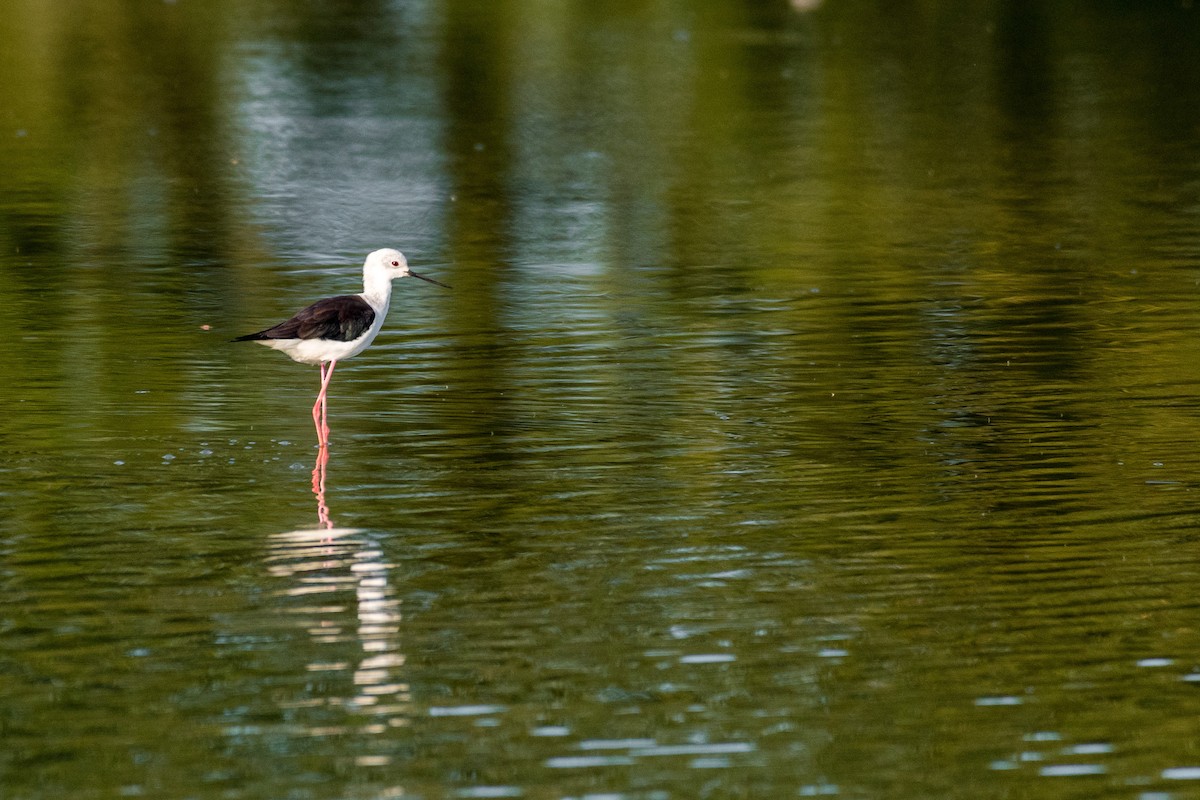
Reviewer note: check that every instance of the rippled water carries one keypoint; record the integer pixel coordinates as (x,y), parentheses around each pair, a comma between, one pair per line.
(813,413)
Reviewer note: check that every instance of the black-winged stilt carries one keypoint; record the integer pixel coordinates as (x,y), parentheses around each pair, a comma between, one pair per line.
(337,328)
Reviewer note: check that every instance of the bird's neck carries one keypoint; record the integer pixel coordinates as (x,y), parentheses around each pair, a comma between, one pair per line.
(377,290)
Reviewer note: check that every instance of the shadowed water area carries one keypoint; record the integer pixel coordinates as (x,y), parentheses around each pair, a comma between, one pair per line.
(814,412)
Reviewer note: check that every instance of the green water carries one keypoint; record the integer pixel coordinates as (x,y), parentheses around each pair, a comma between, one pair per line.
(814,412)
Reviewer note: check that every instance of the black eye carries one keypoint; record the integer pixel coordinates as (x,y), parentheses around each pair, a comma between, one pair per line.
(395,263)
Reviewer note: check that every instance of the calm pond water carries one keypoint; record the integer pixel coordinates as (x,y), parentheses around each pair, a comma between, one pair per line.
(814,412)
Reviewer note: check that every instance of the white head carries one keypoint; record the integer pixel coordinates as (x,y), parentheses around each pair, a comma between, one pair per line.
(389,264)
(388,261)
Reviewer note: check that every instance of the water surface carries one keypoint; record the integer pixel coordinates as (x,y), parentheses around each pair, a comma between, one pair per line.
(813,413)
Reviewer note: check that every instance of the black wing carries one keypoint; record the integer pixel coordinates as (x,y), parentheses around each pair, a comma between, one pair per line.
(339,319)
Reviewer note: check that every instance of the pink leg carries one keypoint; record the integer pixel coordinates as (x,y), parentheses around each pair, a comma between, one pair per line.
(321,409)
(316,411)
(325,403)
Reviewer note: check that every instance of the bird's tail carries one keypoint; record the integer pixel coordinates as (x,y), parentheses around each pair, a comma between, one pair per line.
(251,337)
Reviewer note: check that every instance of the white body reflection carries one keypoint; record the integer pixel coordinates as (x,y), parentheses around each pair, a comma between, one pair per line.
(340,582)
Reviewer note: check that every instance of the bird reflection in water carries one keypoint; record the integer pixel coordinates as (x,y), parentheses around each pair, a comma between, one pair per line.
(318,487)
(335,584)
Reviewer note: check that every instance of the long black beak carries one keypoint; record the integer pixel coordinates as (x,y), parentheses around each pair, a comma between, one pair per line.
(427,280)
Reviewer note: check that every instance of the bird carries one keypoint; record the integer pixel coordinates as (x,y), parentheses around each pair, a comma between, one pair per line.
(336,328)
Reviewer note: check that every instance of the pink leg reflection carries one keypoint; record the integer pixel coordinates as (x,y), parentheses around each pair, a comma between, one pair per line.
(318,487)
